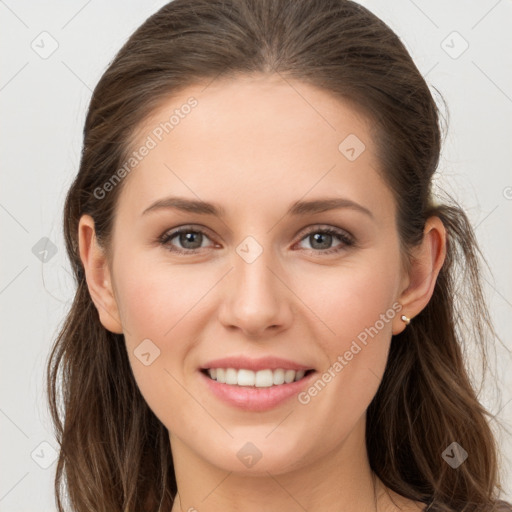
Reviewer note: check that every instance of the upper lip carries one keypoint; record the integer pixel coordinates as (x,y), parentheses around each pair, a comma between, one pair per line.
(248,363)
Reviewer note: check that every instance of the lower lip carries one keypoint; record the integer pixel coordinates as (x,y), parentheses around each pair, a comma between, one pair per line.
(256,399)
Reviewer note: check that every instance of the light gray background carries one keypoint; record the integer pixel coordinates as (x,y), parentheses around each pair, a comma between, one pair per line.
(43,103)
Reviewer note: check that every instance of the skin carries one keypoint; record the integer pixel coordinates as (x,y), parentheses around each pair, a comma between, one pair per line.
(255,145)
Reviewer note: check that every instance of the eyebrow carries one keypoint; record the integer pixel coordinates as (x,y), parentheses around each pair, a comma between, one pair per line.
(298,208)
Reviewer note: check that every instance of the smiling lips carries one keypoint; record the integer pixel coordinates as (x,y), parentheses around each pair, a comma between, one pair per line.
(261,373)
(255,384)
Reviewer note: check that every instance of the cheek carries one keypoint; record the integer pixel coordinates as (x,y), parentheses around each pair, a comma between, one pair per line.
(351,300)
(157,312)
(153,299)
(357,308)
(165,304)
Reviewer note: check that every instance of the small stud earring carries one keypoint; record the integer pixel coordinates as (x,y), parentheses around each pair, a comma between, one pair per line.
(405,319)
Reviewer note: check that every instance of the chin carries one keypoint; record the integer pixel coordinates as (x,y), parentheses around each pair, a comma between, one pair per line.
(254,452)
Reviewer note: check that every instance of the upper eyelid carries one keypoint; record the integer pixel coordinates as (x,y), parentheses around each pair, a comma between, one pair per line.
(171,233)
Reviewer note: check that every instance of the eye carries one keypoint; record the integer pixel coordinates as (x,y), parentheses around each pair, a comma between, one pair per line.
(320,240)
(190,239)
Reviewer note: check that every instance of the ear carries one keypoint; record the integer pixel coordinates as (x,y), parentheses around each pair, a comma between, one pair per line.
(426,262)
(97,274)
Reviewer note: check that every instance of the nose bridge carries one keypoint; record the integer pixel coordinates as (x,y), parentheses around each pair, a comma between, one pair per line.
(254,280)
(255,298)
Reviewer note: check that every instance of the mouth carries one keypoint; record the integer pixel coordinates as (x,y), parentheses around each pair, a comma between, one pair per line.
(265,378)
(255,384)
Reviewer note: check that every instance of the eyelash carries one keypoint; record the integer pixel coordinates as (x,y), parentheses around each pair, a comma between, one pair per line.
(346,239)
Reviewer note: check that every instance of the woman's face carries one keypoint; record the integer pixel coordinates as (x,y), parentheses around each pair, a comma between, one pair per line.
(272,281)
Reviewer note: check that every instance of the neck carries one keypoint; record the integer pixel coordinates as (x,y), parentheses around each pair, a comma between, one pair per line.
(338,481)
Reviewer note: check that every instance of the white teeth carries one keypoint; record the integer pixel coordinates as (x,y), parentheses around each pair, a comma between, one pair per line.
(245,378)
(264,379)
(259,379)
(299,374)
(278,377)
(289,376)
(231,376)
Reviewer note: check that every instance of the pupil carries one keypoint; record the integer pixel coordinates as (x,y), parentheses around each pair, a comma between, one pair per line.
(186,238)
(318,237)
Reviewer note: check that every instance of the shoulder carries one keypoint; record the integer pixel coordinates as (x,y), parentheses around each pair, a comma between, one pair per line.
(391,501)
(417,506)
(405,505)
(398,503)
(503,506)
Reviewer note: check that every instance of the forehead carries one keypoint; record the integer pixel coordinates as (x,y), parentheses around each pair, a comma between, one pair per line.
(252,139)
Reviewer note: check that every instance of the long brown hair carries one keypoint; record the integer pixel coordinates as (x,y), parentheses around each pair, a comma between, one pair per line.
(115,454)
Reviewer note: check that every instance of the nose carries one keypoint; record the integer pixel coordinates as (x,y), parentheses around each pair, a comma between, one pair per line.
(255,298)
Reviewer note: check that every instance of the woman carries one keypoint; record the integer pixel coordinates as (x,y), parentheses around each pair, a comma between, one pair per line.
(217,358)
